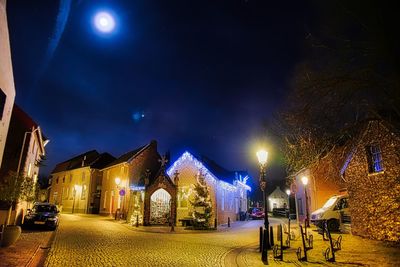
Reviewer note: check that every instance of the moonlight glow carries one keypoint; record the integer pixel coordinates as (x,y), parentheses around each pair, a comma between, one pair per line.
(104,22)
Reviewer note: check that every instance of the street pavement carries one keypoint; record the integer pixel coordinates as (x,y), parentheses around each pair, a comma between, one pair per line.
(90,240)
(85,240)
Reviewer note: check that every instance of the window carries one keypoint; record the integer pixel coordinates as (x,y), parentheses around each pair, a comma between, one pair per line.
(57,180)
(3,97)
(70,178)
(300,206)
(374,156)
(84,192)
(223,200)
(105,200)
(183,196)
(66,193)
(63,179)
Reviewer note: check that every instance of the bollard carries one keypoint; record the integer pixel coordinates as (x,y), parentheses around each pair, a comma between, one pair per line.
(229,222)
(215,223)
(137,220)
(264,253)
(261,238)
(271,236)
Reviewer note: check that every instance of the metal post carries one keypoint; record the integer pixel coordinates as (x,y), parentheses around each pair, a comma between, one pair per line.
(264,254)
(304,243)
(137,220)
(229,222)
(271,236)
(261,238)
(266,222)
(215,223)
(307,213)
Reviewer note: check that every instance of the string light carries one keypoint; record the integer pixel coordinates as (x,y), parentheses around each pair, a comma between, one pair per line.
(207,174)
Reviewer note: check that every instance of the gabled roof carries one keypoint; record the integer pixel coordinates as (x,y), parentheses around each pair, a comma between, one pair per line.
(213,171)
(129,156)
(90,158)
(222,173)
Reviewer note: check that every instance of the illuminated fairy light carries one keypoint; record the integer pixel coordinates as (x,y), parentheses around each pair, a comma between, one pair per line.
(207,174)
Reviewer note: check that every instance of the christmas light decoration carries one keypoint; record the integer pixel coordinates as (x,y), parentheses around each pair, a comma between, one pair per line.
(207,174)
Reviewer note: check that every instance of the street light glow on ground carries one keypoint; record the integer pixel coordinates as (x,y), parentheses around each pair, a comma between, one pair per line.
(104,22)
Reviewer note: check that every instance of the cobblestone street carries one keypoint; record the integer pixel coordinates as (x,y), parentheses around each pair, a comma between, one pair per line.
(97,241)
(89,240)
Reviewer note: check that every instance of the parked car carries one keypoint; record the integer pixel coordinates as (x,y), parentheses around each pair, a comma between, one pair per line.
(256,213)
(334,210)
(42,214)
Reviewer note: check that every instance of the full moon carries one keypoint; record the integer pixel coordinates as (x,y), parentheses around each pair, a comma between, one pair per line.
(104,22)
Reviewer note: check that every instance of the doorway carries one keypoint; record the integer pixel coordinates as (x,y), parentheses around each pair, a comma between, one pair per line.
(160,202)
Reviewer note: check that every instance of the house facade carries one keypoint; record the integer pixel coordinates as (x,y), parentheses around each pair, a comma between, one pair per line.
(124,181)
(23,154)
(228,190)
(7,88)
(277,199)
(372,173)
(76,183)
(324,181)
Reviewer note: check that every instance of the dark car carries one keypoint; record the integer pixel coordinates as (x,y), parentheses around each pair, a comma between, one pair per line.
(43,214)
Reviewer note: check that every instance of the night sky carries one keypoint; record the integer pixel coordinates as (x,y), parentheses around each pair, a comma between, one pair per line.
(197,75)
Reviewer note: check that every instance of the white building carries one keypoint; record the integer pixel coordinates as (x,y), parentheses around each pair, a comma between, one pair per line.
(277,199)
(7,89)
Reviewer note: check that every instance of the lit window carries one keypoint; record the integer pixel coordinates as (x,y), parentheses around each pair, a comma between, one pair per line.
(29,169)
(183,195)
(374,155)
(84,191)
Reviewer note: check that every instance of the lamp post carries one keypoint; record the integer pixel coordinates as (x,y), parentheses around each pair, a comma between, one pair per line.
(262,156)
(304,180)
(288,205)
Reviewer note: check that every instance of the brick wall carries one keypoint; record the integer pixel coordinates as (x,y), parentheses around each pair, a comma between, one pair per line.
(374,197)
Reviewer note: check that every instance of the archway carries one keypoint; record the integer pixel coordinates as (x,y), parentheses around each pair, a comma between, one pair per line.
(160,207)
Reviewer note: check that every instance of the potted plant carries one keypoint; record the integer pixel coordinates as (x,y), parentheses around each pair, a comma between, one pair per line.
(13,188)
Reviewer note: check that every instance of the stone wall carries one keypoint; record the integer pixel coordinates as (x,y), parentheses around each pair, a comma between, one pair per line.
(374,197)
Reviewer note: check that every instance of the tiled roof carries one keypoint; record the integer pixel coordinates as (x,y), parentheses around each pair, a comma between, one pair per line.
(126,157)
(90,158)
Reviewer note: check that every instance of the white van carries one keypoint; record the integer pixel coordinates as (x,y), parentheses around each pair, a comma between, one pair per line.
(334,210)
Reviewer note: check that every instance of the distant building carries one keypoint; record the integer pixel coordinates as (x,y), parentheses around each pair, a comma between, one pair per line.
(277,199)
(23,153)
(228,189)
(124,181)
(7,89)
(76,183)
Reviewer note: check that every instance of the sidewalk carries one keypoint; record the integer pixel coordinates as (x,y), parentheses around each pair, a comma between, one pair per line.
(29,250)
(356,251)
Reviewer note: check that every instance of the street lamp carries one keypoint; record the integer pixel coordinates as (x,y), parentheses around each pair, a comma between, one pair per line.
(304,180)
(262,156)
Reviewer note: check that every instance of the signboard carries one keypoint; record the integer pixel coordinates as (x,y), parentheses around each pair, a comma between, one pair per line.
(137,188)
(122,192)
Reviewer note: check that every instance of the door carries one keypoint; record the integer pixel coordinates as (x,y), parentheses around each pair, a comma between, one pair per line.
(160,207)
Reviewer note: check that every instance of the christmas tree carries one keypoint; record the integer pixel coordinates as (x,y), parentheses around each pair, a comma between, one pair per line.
(201,203)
